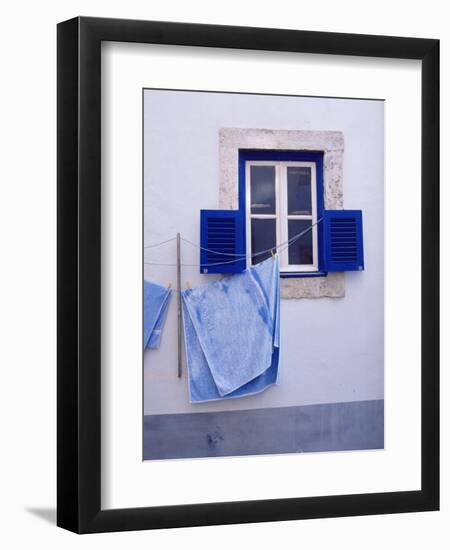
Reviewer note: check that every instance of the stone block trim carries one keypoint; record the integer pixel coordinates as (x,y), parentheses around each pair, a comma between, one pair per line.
(331,143)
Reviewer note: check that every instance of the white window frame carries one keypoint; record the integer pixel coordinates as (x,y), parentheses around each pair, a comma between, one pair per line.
(281,212)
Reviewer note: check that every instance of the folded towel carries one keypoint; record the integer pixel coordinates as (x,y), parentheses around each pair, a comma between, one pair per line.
(232,334)
(156,302)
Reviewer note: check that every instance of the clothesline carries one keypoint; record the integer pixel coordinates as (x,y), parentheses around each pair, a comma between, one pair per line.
(280,247)
(159,244)
(154,335)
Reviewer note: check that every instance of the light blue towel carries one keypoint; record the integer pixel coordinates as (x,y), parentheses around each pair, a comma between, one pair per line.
(156,305)
(232,334)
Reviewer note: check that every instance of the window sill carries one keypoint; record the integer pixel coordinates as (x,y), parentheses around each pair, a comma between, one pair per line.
(301,274)
(312,285)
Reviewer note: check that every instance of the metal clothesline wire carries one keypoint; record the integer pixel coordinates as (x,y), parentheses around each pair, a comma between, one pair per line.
(282,246)
(159,244)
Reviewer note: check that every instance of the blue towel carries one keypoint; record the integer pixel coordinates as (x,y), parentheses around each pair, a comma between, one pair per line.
(232,334)
(156,305)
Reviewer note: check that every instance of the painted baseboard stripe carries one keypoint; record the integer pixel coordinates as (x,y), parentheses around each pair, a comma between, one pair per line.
(354,425)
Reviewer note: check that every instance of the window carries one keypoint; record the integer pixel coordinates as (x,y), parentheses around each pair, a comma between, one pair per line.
(289,195)
(283,199)
(281,204)
(325,148)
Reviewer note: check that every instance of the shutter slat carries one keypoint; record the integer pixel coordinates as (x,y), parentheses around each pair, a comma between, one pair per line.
(343,240)
(222,233)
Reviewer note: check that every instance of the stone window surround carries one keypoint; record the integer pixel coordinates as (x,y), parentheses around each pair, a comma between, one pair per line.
(231,140)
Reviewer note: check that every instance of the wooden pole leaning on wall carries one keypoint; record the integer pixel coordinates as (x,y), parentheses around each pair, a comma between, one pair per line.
(179,302)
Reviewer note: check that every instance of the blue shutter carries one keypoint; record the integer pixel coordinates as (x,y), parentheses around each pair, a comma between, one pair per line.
(222,233)
(343,240)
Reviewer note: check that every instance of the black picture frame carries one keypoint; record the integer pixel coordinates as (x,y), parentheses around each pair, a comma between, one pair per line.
(79,281)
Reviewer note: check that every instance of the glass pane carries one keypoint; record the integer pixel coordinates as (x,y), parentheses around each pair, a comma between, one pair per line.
(262,183)
(299,190)
(263,237)
(300,251)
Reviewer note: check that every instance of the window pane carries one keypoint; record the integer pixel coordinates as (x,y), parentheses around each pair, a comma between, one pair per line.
(299,190)
(300,251)
(262,183)
(263,237)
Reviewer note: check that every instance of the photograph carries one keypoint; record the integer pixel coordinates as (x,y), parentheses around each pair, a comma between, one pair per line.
(263,274)
(224,226)
(248,274)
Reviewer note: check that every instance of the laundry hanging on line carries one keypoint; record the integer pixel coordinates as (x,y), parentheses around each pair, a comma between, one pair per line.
(232,334)
(156,305)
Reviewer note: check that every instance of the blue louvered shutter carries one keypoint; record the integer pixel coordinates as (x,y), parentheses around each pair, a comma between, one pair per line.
(222,233)
(343,240)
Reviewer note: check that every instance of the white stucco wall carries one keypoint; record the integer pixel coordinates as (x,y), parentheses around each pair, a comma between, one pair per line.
(331,348)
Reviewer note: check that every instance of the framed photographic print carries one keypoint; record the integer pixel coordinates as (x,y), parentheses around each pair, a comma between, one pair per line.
(248,259)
